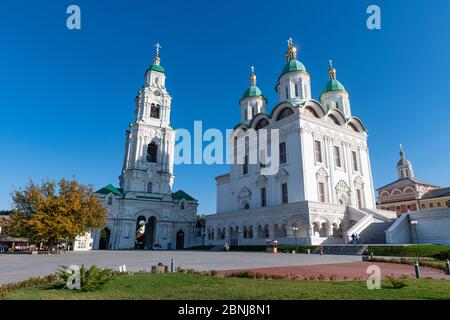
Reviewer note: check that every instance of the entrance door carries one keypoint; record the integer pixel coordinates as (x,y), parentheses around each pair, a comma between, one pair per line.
(180,239)
(105,235)
(150,229)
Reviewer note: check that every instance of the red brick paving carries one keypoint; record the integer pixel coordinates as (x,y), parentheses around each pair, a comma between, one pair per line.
(345,271)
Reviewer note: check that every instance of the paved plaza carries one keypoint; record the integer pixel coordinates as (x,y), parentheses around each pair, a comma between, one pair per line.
(21,267)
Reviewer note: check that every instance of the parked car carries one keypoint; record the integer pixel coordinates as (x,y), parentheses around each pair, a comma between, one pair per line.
(157,246)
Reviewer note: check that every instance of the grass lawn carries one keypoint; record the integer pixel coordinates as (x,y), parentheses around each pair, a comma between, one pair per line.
(427,250)
(200,287)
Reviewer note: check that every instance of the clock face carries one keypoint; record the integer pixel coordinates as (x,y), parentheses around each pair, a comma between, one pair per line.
(157,93)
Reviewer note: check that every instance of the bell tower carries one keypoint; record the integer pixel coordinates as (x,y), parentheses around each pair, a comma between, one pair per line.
(148,160)
(404,166)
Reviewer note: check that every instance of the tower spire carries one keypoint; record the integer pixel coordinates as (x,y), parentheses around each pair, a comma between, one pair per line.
(404,167)
(157,60)
(291,52)
(253,76)
(331,70)
(402,153)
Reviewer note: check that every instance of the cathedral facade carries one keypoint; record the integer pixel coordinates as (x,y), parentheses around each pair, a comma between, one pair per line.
(323,190)
(144,212)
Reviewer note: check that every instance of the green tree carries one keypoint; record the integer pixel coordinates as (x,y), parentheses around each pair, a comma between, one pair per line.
(54,212)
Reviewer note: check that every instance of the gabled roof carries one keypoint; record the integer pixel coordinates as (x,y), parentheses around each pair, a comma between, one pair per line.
(109,189)
(180,194)
(437,193)
(405,182)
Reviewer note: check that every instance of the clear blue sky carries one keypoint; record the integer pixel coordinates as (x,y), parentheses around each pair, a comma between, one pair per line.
(66,97)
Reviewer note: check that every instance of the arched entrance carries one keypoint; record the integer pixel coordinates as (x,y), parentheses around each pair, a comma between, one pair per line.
(140,232)
(150,232)
(105,235)
(180,239)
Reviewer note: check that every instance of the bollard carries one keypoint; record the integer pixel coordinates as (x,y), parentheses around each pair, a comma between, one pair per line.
(309,251)
(172,265)
(417,269)
(124,268)
(447,267)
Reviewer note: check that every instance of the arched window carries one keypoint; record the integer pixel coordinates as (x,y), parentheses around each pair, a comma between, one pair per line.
(261,124)
(333,118)
(351,125)
(149,187)
(154,111)
(311,111)
(110,199)
(182,205)
(296,90)
(384,194)
(285,113)
(152,153)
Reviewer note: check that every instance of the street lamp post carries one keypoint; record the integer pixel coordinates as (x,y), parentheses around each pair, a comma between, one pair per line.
(414,223)
(295,229)
(203,239)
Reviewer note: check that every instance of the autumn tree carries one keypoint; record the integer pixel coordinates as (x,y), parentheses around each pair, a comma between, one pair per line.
(54,212)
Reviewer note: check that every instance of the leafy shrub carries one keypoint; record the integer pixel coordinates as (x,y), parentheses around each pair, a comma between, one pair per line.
(256,275)
(90,279)
(396,283)
(242,274)
(213,273)
(442,255)
(35,281)
(180,269)
(423,263)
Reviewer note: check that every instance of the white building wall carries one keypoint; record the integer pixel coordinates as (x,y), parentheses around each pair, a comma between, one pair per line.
(433,227)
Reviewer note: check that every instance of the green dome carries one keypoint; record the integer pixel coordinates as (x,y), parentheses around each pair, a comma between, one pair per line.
(156,67)
(293,65)
(252,91)
(333,85)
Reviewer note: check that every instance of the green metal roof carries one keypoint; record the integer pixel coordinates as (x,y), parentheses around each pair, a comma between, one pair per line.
(109,189)
(293,65)
(180,194)
(156,67)
(333,85)
(253,91)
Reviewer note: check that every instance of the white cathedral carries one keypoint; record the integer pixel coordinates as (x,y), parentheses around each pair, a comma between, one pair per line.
(144,213)
(323,191)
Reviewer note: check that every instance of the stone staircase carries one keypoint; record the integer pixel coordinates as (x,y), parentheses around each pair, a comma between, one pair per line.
(374,233)
(371,225)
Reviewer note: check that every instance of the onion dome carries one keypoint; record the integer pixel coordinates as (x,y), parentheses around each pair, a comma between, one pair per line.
(292,64)
(253,90)
(156,66)
(333,84)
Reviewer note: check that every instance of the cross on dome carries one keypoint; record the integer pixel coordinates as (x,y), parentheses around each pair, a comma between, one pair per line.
(289,41)
(157,46)
(157,59)
(291,52)
(331,70)
(253,76)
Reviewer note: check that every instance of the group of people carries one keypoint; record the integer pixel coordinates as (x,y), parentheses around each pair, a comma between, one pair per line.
(355,238)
